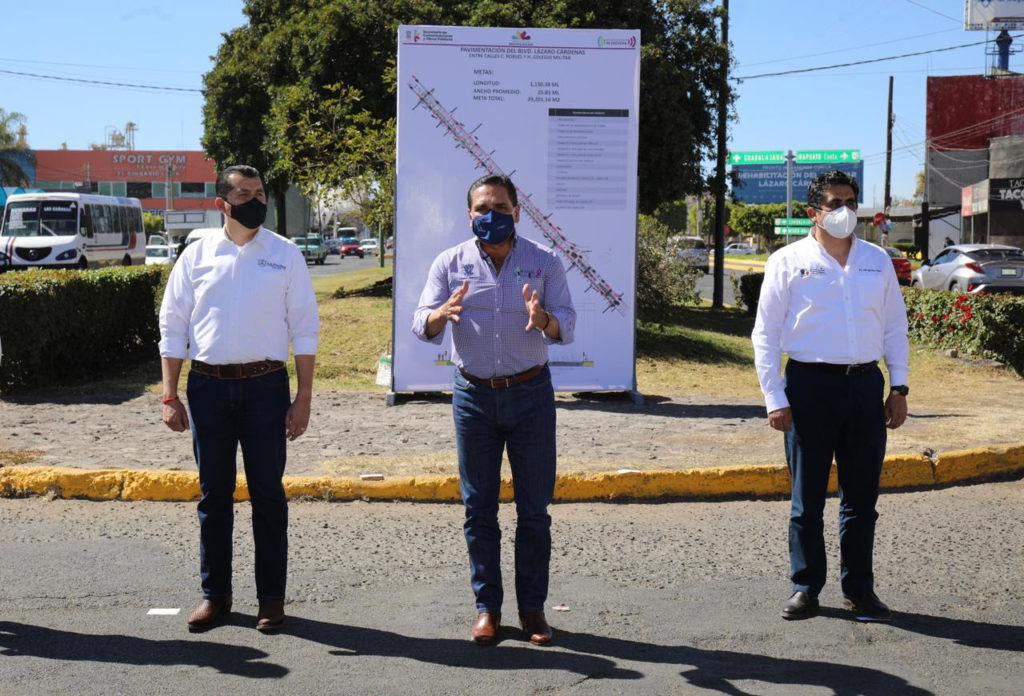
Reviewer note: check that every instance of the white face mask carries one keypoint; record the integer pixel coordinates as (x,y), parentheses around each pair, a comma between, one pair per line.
(840,222)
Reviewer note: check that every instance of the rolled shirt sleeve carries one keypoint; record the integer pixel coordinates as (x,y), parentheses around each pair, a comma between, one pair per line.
(301,311)
(558,302)
(772,307)
(435,293)
(895,344)
(176,309)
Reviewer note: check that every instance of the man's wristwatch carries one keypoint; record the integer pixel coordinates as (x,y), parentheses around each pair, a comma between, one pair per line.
(900,389)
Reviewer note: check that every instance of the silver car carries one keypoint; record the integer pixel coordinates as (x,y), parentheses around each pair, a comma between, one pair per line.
(973,268)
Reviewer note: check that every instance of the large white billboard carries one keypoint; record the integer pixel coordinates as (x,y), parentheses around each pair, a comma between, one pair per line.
(555,109)
(993,15)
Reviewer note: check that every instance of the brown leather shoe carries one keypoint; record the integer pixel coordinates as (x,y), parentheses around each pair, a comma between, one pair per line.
(208,614)
(270,617)
(485,630)
(536,626)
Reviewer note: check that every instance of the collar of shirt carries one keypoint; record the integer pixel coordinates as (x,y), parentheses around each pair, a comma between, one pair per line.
(260,239)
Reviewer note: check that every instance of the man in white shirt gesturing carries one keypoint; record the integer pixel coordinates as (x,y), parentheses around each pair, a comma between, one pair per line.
(833,304)
(234,302)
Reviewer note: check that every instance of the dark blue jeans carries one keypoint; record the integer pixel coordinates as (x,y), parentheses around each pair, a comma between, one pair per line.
(224,414)
(840,416)
(521,418)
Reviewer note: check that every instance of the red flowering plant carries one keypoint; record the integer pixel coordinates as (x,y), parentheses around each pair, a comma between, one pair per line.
(990,326)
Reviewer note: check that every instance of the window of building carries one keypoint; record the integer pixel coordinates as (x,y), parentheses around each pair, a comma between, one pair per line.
(193,189)
(140,189)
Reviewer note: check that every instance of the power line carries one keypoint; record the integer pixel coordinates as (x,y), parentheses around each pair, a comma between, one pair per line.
(101,82)
(844,50)
(925,7)
(863,62)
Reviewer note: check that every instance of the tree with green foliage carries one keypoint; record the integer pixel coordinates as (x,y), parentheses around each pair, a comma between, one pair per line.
(152,223)
(13,158)
(305,91)
(758,221)
(664,283)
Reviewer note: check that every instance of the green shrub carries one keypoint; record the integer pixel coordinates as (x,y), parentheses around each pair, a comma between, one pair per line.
(61,326)
(750,291)
(664,283)
(909,249)
(988,326)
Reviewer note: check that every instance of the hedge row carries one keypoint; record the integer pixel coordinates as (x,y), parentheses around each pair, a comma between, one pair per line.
(988,326)
(61,326)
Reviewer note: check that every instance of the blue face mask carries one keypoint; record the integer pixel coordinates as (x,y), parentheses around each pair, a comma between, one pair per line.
(494,227)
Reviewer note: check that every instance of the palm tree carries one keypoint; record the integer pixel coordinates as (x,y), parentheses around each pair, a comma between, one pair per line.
(12,155)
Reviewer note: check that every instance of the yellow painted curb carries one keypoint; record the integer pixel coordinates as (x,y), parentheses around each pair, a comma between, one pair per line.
(899,472)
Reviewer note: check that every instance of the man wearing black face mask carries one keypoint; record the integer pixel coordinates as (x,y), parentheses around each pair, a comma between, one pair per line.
(507,299)
(234,302)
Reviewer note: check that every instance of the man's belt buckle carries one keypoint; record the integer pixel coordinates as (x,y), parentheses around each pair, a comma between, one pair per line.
(850,369)
(501,382)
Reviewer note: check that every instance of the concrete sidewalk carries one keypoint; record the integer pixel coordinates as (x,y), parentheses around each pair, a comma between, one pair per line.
(609,449)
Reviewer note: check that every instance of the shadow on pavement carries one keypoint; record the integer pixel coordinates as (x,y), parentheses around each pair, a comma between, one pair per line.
(974,634)
(715,669)
(358,641)
(19,640)
(660,406)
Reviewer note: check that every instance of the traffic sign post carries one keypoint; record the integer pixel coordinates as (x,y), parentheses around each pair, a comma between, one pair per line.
(790,226)
(757,157)
(826,156)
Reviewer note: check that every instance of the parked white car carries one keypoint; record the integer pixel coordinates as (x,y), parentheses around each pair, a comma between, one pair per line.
(369,246)
(159,254)
(740,248)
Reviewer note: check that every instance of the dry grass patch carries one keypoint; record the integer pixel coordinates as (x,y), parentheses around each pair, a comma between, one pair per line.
(16,457)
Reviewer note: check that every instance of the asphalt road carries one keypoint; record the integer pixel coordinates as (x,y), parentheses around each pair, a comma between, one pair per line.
(676,598)
(338,264)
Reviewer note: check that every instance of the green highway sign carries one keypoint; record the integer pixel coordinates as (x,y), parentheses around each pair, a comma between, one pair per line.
(826,156)
(794,222)
(758,157)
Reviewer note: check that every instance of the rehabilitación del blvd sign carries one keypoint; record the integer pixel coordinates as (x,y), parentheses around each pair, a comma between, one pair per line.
(761,174)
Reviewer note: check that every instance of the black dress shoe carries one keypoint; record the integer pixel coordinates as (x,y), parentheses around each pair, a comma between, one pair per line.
(208,614)
(867,607)
(800,606)
(270,617)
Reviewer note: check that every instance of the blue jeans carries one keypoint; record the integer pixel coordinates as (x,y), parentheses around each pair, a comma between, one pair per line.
(224,414)
(842,416)
(521,418)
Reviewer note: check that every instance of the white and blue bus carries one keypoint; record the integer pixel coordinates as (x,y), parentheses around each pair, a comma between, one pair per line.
(71,230)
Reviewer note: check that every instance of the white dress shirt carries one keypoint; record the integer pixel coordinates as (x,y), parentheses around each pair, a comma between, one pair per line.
(227,304)
(816,311)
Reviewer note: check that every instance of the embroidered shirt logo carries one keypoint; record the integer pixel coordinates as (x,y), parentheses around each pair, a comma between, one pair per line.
(467,269)
(870,270)
(812,271)
(270,264)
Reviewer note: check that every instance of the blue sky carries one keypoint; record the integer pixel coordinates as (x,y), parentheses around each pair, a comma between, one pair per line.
(170,45)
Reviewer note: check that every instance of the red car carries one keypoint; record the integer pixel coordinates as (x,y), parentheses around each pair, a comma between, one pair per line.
(349,246)
(900,264)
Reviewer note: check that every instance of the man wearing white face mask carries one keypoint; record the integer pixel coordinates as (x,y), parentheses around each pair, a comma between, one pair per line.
(833,304)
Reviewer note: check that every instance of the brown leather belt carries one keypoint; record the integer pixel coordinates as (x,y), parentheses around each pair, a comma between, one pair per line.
(503,382)
(238,371)
(836,369)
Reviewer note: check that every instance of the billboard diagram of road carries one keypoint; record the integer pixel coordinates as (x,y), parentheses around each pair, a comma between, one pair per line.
(556,111)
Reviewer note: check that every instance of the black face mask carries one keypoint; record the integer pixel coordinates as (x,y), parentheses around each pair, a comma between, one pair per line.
(250,214)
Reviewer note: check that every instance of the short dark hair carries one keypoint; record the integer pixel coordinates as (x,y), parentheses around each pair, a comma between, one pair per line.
(492,180)
(244,170)
(825,180)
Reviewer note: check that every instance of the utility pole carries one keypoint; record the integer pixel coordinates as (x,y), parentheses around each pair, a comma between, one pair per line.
(169,189)
(888,154)
(723,112)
